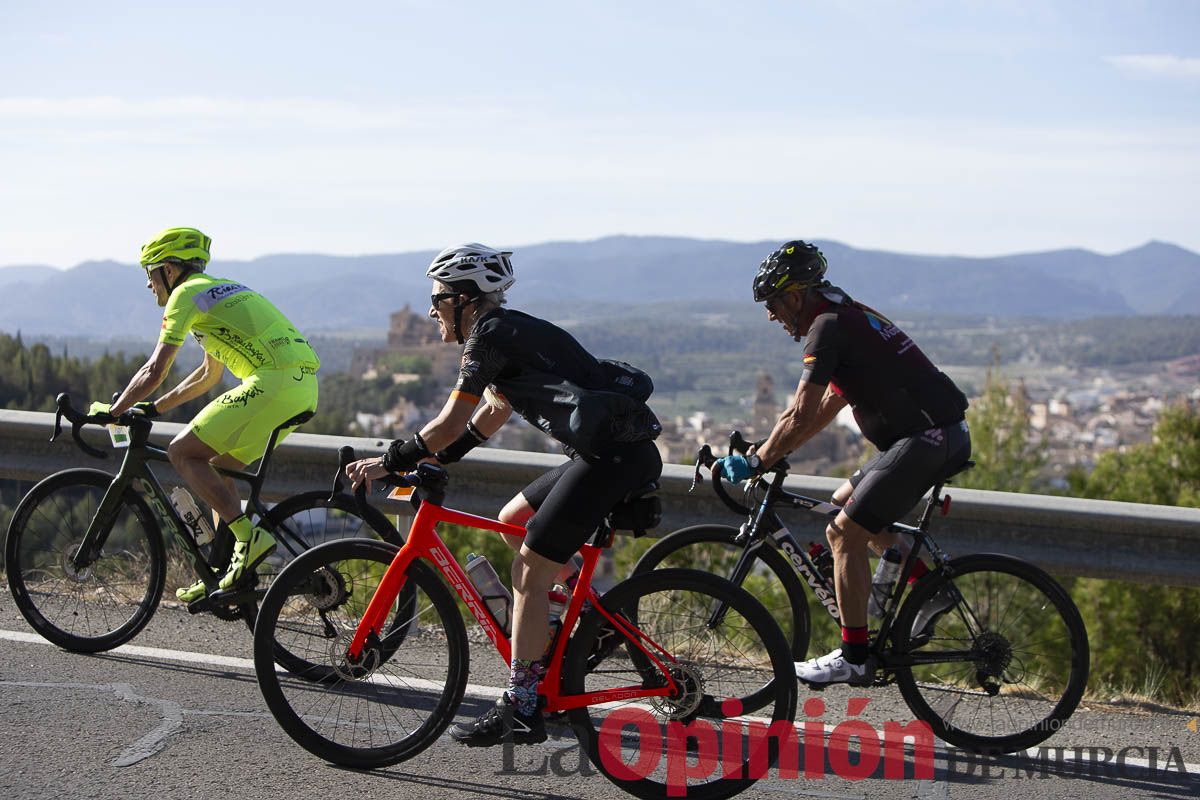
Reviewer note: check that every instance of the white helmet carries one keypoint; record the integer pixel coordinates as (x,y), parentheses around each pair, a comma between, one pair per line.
(473,268)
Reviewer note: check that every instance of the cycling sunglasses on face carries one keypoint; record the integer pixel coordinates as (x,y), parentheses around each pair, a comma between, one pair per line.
(437,299)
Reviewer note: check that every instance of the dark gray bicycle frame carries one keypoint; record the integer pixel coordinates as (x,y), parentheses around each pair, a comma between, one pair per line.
(135,471)
(765,526)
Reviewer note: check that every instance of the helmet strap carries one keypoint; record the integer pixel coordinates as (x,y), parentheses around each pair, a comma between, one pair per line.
(800,310)
(458,312)
(184,274)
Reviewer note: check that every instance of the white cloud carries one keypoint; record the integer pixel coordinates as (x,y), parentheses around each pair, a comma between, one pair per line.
(1158,65)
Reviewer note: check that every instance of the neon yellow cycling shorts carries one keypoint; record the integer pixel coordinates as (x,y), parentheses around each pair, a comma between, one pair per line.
(240,421)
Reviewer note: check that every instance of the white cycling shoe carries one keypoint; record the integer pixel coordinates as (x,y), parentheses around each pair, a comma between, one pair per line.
(833,668)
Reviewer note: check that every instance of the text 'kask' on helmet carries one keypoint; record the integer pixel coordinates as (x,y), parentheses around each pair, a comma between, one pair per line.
(473,269)
(795,265)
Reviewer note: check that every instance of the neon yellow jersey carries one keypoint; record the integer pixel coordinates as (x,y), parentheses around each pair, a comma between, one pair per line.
(235,325)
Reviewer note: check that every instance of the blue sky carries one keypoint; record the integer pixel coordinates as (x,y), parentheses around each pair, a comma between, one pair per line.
(970,127)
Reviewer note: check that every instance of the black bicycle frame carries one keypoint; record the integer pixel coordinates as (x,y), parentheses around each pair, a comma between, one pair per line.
(765,526)
(135,471)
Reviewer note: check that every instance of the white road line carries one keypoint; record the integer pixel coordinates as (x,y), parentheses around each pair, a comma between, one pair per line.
(493,693)
(232,662)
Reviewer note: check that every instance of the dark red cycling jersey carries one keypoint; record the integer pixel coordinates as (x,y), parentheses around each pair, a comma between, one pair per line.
(894,389)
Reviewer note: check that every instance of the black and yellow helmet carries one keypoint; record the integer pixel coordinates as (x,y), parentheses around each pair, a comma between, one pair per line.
(795,265)
(175,244)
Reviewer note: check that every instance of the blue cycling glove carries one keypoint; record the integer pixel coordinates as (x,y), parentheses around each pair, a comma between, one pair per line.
(734,469)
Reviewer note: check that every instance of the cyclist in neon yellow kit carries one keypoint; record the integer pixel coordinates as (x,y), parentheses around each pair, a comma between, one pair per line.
(239,329)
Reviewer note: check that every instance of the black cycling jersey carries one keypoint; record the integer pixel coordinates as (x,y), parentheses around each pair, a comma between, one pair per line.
(553,382)
(894,389)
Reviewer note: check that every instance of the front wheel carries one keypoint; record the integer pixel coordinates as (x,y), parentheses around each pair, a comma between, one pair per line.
(107,599)
(1001,651)
(307,521)
(647,745)
(397,698)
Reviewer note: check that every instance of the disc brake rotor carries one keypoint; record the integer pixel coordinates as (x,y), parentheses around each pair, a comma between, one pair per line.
(72,572)
(689,684)
(360,670)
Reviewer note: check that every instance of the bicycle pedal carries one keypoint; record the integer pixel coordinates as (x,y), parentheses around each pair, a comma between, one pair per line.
(233,596)
(202,606)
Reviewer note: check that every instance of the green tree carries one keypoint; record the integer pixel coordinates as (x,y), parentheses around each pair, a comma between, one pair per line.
(1007,456)
(1143,636)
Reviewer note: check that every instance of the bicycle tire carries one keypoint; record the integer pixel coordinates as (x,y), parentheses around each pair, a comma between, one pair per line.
(308,520)
(112,599)
(790,610)
(659,600)
(377,697)
(1011,601)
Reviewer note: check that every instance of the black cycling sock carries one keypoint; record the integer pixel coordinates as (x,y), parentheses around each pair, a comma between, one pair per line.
(855,645)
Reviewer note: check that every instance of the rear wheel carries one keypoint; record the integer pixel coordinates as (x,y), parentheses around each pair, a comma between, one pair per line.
(108,599)
(403,691)
(1004,651)
(646,744)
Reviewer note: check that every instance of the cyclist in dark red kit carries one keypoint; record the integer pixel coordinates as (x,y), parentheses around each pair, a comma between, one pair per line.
(903,404)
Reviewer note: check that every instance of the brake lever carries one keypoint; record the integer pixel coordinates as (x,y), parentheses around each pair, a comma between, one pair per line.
(737,443)
(704,458)
(345,457)
(58,415)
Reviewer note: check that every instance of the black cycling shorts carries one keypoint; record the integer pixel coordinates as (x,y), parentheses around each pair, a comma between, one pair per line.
(572,499)
(890,484)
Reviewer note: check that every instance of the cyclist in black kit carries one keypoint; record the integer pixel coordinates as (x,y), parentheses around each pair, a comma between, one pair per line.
(513,361)
(903,404)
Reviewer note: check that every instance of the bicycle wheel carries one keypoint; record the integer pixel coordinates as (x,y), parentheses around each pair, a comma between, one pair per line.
(395,701)
(1006,662)
(105,603)
(710,667)
(711,548)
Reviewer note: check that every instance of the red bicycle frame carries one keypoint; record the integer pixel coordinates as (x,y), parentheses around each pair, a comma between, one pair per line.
(423,542)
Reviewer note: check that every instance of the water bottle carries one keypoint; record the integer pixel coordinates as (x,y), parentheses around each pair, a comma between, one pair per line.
(823,559)
(558,604)
(884,581)
(576,564)
(201,528)
(494,593)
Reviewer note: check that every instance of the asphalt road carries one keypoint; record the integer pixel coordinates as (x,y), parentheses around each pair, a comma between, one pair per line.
(177,714)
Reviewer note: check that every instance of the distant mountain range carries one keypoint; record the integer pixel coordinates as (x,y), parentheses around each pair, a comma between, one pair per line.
(590,279)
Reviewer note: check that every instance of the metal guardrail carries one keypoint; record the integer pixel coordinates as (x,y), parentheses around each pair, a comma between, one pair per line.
(1067,536)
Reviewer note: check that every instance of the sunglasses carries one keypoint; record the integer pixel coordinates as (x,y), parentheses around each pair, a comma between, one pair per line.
(436,299)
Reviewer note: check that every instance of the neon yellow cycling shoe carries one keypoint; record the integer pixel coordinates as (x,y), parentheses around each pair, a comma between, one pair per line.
(191,593)
(246,556)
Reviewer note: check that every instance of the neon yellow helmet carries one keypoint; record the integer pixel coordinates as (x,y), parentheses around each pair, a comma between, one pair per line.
(175,244)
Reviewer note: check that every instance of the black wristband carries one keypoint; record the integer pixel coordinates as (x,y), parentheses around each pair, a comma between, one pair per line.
(468,441)
(402,456)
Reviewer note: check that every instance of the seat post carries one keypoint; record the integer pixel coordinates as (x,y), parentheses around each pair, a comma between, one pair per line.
(266,456)
(260,473)
(935,501)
